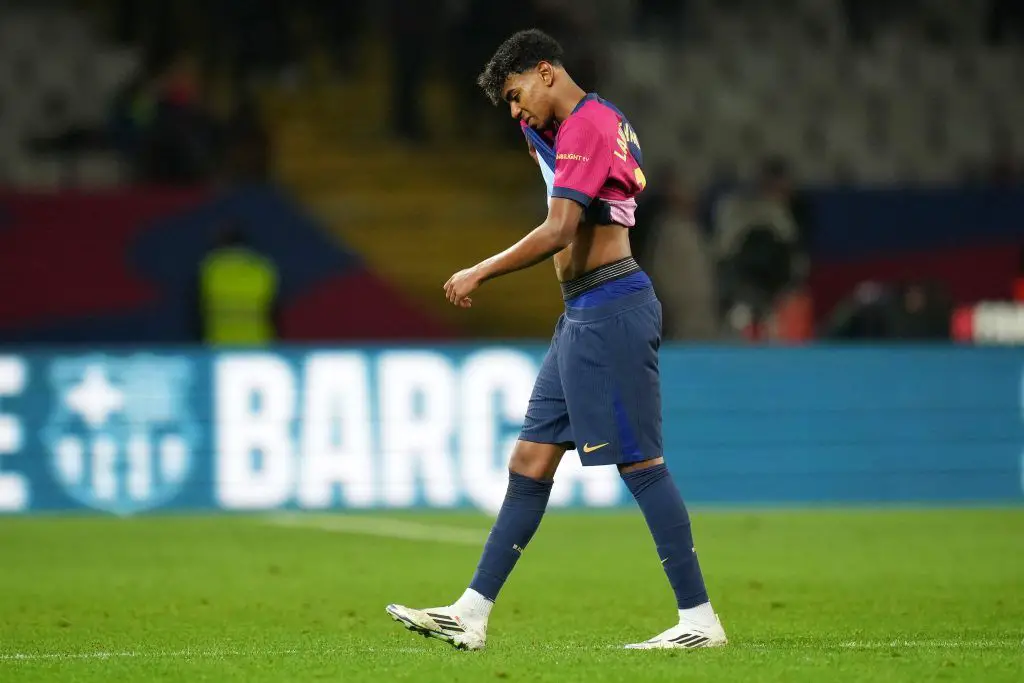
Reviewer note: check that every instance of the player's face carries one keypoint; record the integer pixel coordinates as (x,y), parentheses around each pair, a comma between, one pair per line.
(529,96)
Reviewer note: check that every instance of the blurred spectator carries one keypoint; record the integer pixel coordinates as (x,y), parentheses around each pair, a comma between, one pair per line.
(164,125)
(923,312)
(180,145)
(864,314)
(913,311)
(238,300)
(761,243)
(681,267)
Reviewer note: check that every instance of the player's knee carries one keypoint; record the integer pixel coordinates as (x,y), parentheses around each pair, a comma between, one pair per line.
(626,468)
(535,460)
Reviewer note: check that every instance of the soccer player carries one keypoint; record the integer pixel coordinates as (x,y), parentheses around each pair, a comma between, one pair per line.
(598,389)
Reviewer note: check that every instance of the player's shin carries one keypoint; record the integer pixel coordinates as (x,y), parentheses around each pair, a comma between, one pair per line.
(669,523)
(525,502)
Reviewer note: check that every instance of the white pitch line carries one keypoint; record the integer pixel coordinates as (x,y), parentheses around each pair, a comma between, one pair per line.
(382,527)
(981,644)
(764,645)
(925,644)
(133,654)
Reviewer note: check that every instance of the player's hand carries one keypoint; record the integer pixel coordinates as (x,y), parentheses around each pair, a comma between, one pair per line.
(460,286)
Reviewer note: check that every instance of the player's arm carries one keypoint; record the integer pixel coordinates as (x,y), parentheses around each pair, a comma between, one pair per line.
(581,168)
(550,237)
(547,239)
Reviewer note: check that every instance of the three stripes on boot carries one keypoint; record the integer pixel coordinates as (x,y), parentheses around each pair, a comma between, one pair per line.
(446,622)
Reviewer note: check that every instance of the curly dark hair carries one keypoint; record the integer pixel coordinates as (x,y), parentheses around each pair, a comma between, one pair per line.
(518,54)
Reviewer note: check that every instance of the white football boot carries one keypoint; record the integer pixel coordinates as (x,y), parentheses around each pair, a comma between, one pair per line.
(686,635)
(443,623)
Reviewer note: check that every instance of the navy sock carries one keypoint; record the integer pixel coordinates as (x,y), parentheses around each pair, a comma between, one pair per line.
(525,502)
(669,523)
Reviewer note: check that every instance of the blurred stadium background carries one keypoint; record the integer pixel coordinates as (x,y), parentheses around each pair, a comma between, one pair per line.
(224,227)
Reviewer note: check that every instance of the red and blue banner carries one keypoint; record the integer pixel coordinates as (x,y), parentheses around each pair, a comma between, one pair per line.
(121,267)
(968,239)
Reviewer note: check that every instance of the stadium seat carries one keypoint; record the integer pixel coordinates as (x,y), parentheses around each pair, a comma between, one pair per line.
(897,107)
(54,73)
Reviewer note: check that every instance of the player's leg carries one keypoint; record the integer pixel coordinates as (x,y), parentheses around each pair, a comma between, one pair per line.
(656,493)
(612,389)
(464,623)
(669,523)
(531,475)
(535,457)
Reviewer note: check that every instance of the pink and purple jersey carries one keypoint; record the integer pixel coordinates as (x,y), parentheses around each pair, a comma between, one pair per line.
(593,159)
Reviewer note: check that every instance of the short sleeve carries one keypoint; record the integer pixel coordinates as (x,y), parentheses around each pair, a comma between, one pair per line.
(582,161)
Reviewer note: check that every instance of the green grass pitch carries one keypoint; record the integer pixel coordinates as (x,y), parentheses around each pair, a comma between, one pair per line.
(808,595)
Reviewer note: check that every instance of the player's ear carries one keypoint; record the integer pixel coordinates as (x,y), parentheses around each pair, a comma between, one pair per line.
(547,72)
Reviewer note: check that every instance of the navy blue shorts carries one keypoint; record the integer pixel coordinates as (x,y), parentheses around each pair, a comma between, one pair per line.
(598,389)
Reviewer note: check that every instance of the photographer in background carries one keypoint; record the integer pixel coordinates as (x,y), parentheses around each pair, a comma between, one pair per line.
(760,240)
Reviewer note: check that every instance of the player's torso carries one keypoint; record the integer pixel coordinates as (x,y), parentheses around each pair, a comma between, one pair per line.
(593,246)
(603,236)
